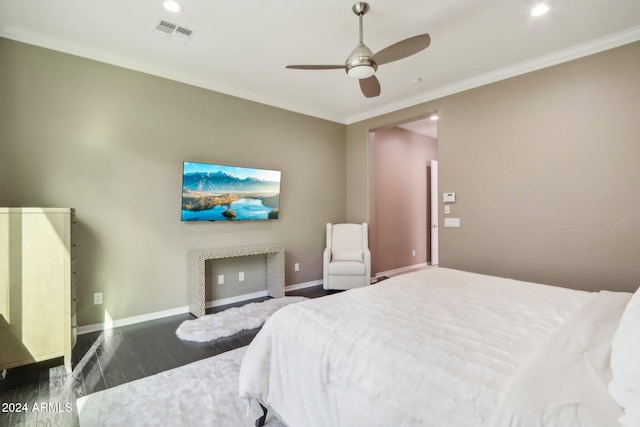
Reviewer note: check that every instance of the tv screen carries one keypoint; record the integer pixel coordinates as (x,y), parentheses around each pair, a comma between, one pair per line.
(229,193)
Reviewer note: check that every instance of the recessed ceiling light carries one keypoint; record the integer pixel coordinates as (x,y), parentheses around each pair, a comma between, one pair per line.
(172,6)
(434,117)
(540,10)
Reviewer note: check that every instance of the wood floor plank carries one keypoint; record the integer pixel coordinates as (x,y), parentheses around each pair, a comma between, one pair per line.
(92,375)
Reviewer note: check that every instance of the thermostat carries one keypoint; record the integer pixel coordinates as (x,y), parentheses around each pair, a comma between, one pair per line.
(448,197)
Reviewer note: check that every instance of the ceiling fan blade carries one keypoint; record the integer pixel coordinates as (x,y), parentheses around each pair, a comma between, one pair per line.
(370,87)
(315,67)
(402,49)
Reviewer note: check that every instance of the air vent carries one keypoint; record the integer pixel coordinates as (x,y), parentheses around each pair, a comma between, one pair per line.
(173,32)
(166,27)
(182,33)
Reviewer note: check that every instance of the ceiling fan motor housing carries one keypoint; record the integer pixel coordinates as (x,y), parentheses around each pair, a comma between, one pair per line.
(359,64)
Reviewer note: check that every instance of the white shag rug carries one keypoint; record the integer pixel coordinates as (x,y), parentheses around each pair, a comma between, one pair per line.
(232,320)
(202,393)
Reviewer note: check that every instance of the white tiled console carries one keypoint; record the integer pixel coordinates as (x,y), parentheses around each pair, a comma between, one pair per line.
(197,258)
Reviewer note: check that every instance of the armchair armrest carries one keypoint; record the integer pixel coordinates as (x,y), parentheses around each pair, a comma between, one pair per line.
(326,259)
(367,264)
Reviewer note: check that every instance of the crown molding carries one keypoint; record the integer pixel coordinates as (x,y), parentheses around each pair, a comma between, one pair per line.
(18,35)
(555,58)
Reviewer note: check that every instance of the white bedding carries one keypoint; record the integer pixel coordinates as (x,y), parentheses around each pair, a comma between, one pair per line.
(564,382)
(436,347)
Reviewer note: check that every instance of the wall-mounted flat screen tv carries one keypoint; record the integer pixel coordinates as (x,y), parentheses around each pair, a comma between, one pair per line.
(229,193)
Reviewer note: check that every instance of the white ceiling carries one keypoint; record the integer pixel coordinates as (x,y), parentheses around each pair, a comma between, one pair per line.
(241,47)
(424,126)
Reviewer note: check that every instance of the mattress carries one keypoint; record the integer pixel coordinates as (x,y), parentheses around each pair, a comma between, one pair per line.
(434,347)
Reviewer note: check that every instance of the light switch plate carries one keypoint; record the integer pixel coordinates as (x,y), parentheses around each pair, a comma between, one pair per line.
(452,222)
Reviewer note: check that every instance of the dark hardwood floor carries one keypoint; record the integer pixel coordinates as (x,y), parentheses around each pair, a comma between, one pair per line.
(43,394)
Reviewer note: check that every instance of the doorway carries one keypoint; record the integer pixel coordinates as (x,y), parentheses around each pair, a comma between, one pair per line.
(400,200)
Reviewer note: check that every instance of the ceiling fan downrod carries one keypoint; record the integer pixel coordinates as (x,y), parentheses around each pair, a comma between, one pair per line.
(360,9)
(358,64)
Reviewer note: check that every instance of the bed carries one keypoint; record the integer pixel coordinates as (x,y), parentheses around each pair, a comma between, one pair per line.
(445,347)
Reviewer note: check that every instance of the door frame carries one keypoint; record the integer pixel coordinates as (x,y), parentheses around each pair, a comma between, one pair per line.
(433,211)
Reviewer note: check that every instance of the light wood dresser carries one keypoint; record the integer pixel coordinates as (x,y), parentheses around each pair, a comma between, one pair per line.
(37,285)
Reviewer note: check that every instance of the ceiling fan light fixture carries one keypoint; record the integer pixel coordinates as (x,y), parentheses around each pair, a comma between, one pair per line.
(361,71)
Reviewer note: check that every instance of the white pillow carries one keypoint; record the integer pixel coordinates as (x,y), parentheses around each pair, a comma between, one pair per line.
(625,363)
(353,255)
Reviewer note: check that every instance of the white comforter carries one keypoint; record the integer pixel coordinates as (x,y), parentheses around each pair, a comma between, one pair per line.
(564,382)
(433,348)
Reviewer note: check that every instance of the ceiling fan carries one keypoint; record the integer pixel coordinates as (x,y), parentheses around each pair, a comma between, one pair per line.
(362,63)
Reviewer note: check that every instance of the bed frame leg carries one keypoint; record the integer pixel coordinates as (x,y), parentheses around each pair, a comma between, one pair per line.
(260,421)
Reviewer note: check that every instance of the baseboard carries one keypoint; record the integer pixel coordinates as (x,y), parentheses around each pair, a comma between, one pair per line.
(303,285)
(397,271)
(235,299)
(109,324)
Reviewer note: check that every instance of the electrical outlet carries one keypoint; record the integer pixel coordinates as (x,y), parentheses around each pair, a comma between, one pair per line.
(220,279)
(241,276)
(97,298)
(296,266)
(413,252)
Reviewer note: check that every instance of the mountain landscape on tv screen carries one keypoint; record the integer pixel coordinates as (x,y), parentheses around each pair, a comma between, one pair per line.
(221,195)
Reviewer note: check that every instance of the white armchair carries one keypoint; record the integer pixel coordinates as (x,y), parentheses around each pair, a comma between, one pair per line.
(347,259)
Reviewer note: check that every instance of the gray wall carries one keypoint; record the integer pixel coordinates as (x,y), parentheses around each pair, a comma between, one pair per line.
(110,142)
(545,167)
(399,217)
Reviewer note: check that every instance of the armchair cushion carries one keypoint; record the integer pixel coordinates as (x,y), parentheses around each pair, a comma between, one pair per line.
(347,268)
(344,255)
